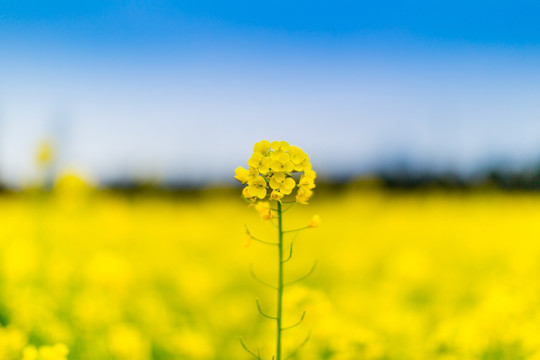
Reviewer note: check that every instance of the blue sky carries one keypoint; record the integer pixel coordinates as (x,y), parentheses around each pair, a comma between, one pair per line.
(183,89)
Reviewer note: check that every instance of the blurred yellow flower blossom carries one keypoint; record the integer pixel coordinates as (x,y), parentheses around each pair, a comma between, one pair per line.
(279,157)
(281,182)
(264,210)
(299,158)
(30,353)
(244,175)
(267,216)
(257,187)
(280,145)
(306,182)
(262,147)
(303,195)
(278,166)
(297,155)
(245,193)
(310,174)
(276,195)
(56,352)
(127,342)
(260,162)
(315,221)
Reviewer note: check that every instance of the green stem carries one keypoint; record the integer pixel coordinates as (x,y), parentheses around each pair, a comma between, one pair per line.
(295,230)
(280,281)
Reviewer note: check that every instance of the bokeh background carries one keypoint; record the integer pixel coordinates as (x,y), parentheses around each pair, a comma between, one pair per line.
(122,227)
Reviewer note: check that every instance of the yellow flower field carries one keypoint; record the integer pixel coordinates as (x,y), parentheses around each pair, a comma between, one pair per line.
(426,275)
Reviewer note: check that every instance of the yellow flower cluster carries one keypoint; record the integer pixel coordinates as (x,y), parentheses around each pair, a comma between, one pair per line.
(56,352)
(270,172)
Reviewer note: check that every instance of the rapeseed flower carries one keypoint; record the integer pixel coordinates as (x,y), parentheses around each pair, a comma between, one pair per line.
(56,352)
(270,176)
(315,221)
(279,166)
(262,147)
(257,187)
(30,353)
(270,173)
(282,183)
(303,195)
(244,175)
(260,162)
(280,157)
(299,158)
(264,210)
(279,146)
(306,182)
(276,195)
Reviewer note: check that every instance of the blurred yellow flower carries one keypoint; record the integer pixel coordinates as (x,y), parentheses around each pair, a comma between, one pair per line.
(279,145)
(276,195)
(299,159)
(244,175)
(260,162)
(56,352)
(315,221)
(279,181)
(279,157)
(278,166)
(126,342)
(303,195)
(262,147)
(246,194)
(308,173)
(267,216)
(30,353)
(306,182)
(264,210)
(257,187)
